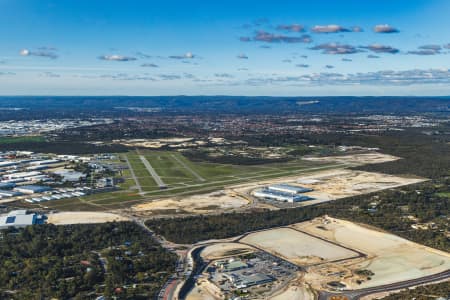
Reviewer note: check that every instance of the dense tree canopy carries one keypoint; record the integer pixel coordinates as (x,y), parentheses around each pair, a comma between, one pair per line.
(81,261)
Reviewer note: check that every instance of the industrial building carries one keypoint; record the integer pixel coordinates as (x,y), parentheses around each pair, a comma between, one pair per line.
(21,175)
(32,189)
(228,266)
(269,194)
(6,194)
(20,218)
(283,193)
(70,175)
(289,189)
(243,281)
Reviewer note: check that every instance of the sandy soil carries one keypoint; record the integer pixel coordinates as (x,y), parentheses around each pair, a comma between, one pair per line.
(335,184)
(345,183)
(297,247)
(360,158)
(295,293)
(390,257)
(65,218)
(221,250)
(204,290)
(206,203)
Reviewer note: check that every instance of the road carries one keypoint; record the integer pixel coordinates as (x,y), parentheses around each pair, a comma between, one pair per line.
(357,294)
(152,172)
(168,290)
(200,178)
(138,185)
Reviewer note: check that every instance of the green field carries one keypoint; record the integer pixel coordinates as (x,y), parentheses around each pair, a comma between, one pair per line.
(443,195)
(22,139)
(182,177)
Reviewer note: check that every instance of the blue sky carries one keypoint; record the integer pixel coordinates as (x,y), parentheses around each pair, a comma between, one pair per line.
(230,47)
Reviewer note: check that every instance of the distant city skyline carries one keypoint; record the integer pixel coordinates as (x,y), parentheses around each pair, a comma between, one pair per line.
(289,48)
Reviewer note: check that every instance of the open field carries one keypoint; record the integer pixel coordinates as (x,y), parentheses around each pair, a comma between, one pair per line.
(360,158)
(204,203)
(65,218)
(22,139)
(297,247)
(389,257)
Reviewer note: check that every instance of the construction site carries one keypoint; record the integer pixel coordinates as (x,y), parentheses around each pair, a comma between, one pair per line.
(325,254)
(321,186)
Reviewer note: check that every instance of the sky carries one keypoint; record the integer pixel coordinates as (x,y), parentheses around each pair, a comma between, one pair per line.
(278,48)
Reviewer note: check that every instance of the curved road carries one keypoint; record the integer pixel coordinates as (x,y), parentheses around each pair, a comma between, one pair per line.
(357,294)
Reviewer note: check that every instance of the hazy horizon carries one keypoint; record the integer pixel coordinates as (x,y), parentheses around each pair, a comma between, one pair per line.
(342,48)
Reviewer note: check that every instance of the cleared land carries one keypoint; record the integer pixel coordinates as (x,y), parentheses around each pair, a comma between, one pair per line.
(334,183)
(338,184)
(221,250)
(390,258)
(294,292)
(297,247)
(204,203)
(65,218)
(205,290)
(360,158)
(22,139)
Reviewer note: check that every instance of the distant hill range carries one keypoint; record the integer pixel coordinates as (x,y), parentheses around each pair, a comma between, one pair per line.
(225,104)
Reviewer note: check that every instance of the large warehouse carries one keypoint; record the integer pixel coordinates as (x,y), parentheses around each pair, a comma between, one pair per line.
(269,194)
(283,192)
(290,189)
(20,218)
(32,189)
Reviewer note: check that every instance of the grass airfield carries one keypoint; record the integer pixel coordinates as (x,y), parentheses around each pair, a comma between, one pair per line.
(182,177)
(191,187)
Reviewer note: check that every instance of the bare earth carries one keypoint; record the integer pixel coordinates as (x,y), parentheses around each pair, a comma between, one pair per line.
(297,247)
(194,204)
(335,184)
(65,218)
(221,250)
(360,158)
(204,290)
(390,257)
(295,293)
